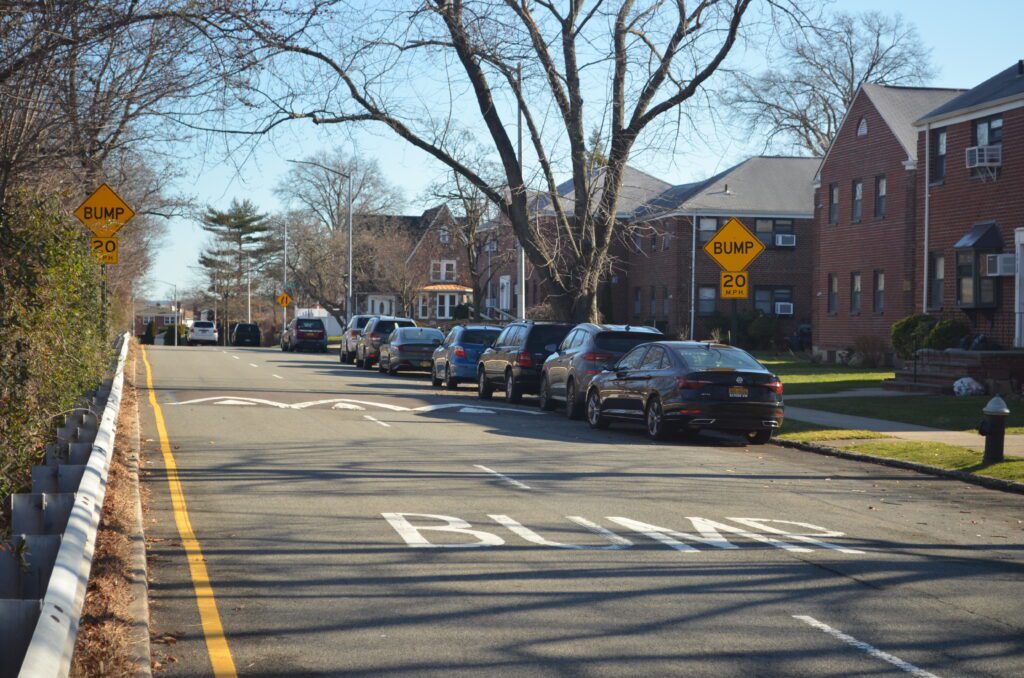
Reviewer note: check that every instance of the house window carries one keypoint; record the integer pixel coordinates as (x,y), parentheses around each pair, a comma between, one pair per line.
(654,300)
(988,131)
(833,203)
(146,319)
(706,297)
(654,243)
(664,301)
(765,298)
(664,242)
(938,155)
(444,235)
(637,303)
(638,242)
(878,302)
(974,288)
(442,271)
(168,320)
(708,226)
(854,293)
(833,293)
(938,281)
(862,127)
(422,309)
(881,188)
(491,246)
(446,303)
(764,228)
(858,198)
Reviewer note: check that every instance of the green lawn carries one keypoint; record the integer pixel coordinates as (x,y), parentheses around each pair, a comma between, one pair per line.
(799,375)
(946,412)
(802,432)
(942,455)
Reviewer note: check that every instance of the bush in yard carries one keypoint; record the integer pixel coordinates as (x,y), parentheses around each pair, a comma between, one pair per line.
(761,331)
(149,336)
(872,350)
(910,334)
(947,334)
(53,348)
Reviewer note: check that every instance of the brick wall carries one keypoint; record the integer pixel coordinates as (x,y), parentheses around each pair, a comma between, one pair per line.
(873,244)
(961,200)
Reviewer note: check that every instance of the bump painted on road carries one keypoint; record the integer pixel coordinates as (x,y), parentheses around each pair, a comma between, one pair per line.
(343,404)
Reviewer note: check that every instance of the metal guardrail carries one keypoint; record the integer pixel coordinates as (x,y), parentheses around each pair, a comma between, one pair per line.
(44,571)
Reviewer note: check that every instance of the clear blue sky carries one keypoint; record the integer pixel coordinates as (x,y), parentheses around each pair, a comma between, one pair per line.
(949,27)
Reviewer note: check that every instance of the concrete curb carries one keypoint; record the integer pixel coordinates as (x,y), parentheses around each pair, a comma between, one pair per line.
(983,481)
(140,572)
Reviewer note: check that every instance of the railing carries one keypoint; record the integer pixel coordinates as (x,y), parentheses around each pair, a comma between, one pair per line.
(44,571)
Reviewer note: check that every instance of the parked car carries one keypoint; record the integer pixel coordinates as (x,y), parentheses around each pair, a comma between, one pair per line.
(456,358)
(513,363)
(409,348)
(376,331)
(245,334)
(350,337)
(203,332)
(671,385)
(305,333)
(587,350)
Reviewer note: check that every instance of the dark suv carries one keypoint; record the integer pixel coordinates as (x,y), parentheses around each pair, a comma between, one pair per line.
(245,334)
(377,330)
(514,362)
(587,350)
(305,333)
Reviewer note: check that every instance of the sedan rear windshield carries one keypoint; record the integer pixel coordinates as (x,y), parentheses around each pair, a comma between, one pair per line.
(620,342)
(309,324)
(387,326)
(360,321)
(542,335)
(482,337)
(203,325)
(424,335)
(714,358)
(245,327)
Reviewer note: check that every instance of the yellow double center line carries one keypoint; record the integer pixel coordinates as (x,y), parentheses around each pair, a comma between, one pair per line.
(216,643)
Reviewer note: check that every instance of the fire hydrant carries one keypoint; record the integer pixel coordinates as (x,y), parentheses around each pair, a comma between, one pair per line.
(993,427)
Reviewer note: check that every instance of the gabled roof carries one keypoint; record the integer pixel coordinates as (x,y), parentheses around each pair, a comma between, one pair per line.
(638,187)
(1003,87)
(901,106)
(761,185)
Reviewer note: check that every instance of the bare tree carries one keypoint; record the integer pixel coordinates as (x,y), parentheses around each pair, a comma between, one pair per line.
(817,72)
(406,70)
(393,245)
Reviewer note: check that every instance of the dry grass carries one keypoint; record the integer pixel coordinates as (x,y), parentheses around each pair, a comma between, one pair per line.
(104,644)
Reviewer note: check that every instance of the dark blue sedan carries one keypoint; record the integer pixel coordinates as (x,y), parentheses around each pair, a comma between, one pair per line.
(455,359)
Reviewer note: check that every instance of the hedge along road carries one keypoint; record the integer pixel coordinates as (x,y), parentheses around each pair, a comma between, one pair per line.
(463,537)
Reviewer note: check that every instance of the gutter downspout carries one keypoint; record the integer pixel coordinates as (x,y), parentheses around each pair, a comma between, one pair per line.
(693,272)
(927,210)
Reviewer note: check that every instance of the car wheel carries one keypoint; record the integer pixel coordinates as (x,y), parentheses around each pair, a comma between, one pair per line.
(594,417)
(484,390)
(342,356)
(544,395)
(657,429)
(283,349)
(573,407)
(450,382)
(380,366)
(513,393)
(760,437)
(435,380)
(391,370)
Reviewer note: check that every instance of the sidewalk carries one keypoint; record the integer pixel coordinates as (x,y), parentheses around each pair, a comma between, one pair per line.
(1014,444)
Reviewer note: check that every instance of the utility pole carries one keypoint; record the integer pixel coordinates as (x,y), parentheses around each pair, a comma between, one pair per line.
(248,288)
(521,267)
(284,309)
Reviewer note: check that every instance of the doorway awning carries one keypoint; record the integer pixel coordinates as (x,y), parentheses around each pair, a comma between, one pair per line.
(983,236)
(447,288)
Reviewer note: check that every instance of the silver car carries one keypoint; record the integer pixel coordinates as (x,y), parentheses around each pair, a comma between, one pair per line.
(203,332)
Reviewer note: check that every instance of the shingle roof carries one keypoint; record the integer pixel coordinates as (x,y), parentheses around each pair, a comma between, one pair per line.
(1005,85)
(768,185)
(900,107)
(638,187)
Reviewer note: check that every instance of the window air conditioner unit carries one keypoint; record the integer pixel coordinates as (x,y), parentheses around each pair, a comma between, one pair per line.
(999,265)
(785,240)
(783,308)
(985,156)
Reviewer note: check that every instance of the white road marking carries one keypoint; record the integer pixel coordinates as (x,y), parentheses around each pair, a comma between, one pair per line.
(276,376)
(529,535)
(259,401)
(235,402)
(376,421)
(236,357)
(414,538)
(490,408)
(475,410)
(347,406)
(510,481)
(369,403)
(253,365)
(861,645)
(759,523)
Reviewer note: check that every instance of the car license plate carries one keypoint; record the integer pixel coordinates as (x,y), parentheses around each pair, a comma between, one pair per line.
(424,363)
(738,391)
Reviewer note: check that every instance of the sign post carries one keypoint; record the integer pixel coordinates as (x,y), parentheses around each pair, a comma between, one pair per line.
(104,213)
(734,248)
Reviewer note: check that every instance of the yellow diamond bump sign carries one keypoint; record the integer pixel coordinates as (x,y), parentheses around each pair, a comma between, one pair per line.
(734,247)
(284,299)
(104,213)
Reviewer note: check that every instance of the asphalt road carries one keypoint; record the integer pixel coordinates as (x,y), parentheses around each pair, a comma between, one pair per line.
(309,484)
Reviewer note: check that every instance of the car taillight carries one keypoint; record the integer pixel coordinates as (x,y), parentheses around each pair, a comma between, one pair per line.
(524,359)
(775,386)
(684,384)
(396,346)
(374,335)
(460,352)
(598,357)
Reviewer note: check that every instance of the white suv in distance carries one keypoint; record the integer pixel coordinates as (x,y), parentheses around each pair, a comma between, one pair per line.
(202,332)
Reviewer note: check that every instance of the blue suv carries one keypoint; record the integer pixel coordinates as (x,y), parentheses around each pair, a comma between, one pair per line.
(455,359)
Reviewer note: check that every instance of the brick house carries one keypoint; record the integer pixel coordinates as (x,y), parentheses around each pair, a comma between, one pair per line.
(970,212)
(670,283)
(160,316)
(865,198)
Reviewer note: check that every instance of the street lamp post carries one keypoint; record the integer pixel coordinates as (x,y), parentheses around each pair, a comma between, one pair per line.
(348,285)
